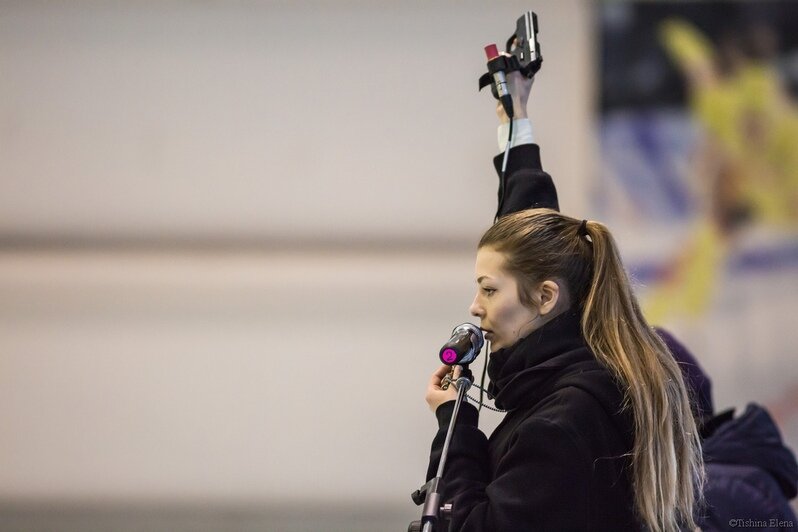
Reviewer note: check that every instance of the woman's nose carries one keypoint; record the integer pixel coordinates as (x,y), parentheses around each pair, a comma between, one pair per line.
(476,309)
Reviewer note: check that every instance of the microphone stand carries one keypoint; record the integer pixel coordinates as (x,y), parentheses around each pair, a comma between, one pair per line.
(428,494)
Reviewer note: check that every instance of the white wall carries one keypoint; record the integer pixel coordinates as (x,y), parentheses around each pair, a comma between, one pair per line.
(269,120)
(233,376)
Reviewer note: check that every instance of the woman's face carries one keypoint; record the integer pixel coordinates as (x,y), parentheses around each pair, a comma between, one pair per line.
(502,316)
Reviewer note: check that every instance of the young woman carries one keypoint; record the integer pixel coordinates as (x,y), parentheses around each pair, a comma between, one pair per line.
(598,433)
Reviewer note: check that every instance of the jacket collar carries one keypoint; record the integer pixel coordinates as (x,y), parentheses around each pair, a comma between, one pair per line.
(517,370)
(753,439)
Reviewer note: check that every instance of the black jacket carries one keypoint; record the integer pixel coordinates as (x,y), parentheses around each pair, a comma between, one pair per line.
(559,459)
(526,185)
(750,474)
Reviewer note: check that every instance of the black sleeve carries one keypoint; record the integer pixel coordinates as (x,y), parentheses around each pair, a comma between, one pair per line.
(539,483)
(527,186)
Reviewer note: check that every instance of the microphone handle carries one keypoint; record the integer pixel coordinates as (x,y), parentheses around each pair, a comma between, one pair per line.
(500,81)
(456,348)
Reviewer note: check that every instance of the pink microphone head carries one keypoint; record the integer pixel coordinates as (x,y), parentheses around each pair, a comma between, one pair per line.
(491,51)
(449,356)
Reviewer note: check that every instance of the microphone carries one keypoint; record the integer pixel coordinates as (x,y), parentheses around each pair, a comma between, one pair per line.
(464,345)
(495,65)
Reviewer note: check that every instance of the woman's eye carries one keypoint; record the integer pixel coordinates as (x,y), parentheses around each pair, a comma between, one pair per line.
(488,291)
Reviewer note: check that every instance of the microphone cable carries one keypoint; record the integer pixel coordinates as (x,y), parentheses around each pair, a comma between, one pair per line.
(479,409)
(503,177)
(482,383)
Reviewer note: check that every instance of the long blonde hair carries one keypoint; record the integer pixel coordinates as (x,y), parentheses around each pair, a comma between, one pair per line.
(667,467)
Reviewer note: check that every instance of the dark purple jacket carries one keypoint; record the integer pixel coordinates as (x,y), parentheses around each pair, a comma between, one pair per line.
(751,475)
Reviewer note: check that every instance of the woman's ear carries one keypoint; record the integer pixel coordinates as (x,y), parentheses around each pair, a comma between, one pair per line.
(549,296)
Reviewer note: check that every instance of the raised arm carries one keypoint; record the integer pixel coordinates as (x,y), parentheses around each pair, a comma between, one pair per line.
(526,185)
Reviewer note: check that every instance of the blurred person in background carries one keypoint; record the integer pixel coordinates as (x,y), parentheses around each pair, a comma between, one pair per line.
(746,165)
(751,476)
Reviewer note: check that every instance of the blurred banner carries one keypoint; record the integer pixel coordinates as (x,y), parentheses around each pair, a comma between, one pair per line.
(698,135)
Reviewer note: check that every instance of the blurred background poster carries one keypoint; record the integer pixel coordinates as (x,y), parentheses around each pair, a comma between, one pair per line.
(698,136)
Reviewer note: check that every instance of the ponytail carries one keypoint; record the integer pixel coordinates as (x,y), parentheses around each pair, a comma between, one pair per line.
(666,458)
